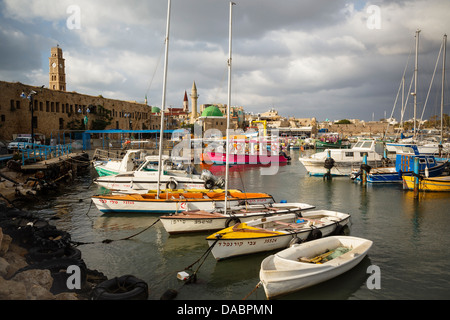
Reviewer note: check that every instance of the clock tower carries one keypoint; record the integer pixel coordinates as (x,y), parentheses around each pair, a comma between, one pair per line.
(57,70)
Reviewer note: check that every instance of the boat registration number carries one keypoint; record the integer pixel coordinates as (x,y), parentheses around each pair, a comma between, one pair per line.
(242,243)
(115,201)
(203,221)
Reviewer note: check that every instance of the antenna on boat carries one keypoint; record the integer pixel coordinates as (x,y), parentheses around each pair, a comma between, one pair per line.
(415,80)
(163,104)
(228,105)
(442,91)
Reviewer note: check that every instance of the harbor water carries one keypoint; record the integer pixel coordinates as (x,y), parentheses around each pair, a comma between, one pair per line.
(410,252)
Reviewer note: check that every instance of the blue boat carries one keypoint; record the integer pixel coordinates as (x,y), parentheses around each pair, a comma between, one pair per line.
(404,166)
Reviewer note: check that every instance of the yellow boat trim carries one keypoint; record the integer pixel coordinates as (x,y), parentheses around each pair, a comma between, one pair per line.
(431,184)
(243,231)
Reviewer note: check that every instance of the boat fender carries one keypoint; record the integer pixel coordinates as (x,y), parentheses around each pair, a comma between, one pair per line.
(170,294)
(295,241)
(126,287)
(172,184)
(285,155)
(314,234)
(230,220)
(365,167)
(329,163)
(209,184)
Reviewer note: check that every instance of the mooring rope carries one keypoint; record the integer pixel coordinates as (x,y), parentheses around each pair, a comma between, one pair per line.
(204,256)
(111,240)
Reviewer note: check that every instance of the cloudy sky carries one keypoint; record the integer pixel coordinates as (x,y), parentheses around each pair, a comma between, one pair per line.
(338,59)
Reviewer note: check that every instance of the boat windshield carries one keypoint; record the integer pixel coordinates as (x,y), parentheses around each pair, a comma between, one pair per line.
(363,144)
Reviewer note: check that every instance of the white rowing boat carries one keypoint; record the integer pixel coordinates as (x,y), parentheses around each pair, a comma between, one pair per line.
(304,265)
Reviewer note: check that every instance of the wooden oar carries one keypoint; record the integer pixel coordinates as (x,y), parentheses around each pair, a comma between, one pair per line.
(316,259)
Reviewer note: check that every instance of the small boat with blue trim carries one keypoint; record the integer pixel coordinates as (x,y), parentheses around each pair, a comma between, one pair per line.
(404,166)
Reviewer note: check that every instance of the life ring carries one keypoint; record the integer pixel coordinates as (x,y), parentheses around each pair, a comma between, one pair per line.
(172,184)
(126,287)
(236,220)
(209,184)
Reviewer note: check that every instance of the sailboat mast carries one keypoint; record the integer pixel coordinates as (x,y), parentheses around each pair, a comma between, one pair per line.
(228,104)
(415,80)
(442,90)
(163,104)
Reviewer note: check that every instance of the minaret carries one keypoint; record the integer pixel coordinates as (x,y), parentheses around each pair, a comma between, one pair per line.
(57,74)
(185,103)
(194,97)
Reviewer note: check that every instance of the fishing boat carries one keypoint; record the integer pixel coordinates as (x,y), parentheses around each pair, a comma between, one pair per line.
(307,264)
(146,176)
(246,158)
(404,166)
(341,162)
(276,232)
(439,184)
(176,201)
(129,162)
(202,221)
(330,141)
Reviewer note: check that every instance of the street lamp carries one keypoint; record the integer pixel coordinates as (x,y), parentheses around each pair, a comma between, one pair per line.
(30,98)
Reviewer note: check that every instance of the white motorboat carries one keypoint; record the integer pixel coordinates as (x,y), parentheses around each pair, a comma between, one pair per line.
(275,232)
(307,264)
(145,177)
(341,162)
(202,221)
(129,162)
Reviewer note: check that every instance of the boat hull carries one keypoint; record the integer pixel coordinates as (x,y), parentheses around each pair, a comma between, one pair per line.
(188,222)
(220,158)
(146,203)
(226,245)
(436,184)
(283,273)
(391,175)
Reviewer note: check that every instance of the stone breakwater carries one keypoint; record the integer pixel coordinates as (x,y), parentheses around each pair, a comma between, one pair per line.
(33,258)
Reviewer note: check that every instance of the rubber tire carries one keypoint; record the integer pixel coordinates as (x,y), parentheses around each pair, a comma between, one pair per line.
(38,254)
(43,237)
(209,184)
(136,289)
(229,220)
(171,185)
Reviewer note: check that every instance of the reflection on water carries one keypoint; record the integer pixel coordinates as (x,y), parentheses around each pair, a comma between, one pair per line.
(410,239)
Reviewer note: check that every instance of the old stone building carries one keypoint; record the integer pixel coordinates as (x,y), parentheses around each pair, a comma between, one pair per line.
(57,111)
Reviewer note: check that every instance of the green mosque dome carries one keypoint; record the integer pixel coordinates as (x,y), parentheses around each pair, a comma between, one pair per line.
(155,110)
(212,111)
